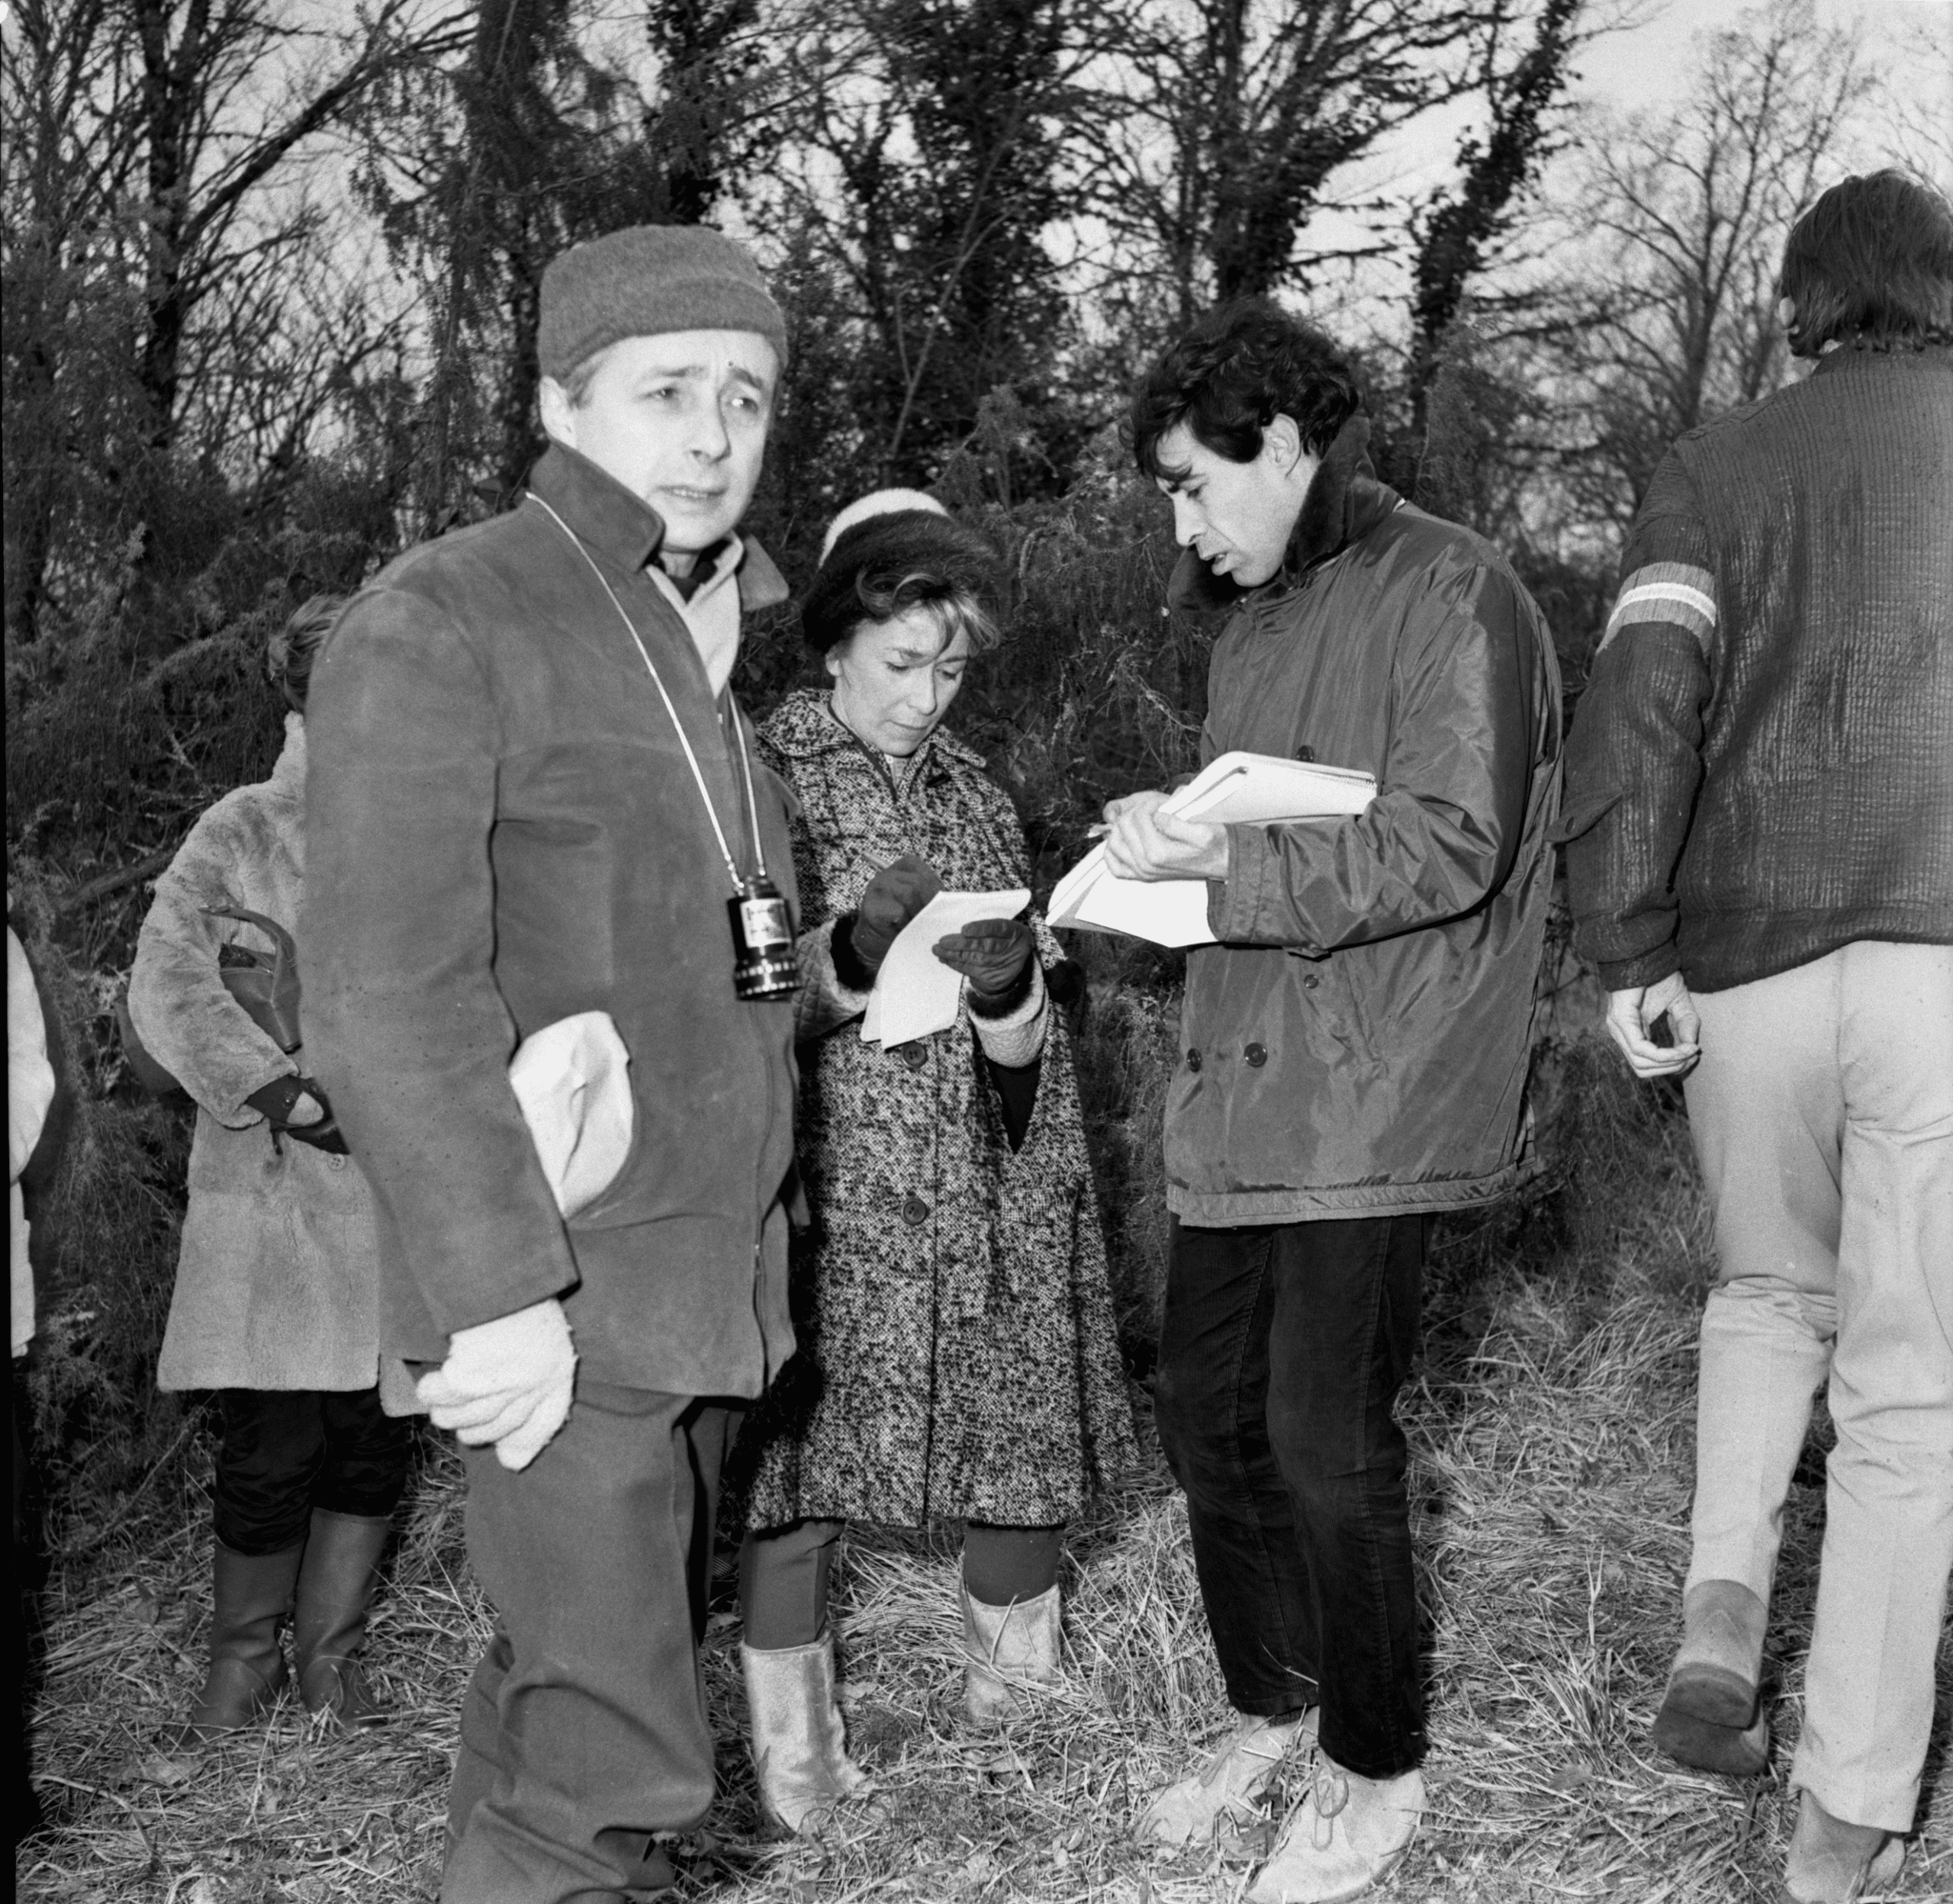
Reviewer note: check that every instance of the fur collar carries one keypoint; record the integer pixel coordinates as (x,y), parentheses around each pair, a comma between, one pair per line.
(288,775)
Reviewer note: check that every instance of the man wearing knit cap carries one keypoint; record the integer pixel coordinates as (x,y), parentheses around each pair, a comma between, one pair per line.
(532,813)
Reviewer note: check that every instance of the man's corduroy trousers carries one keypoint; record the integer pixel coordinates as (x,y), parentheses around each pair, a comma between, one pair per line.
(584,1729)
(1822,1116)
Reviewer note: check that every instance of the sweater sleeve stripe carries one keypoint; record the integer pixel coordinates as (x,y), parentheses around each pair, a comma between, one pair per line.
(1677,592)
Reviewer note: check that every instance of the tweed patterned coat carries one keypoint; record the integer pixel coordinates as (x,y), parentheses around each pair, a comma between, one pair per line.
(957,1350)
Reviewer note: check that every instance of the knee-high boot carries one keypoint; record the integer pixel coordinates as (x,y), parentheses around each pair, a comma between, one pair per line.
(251,1593)
(329,1626)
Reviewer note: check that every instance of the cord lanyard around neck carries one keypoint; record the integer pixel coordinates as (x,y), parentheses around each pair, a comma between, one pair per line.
(763,965)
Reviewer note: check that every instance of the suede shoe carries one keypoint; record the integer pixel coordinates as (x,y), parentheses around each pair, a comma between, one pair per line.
(1347,1835)
(1832,1862)
(1193,1810)
(1711,1716)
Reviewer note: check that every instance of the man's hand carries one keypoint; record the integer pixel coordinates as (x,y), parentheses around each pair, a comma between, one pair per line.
(990,953)
(1144,843)
(1631,1015)
(509,1382)
(895,896)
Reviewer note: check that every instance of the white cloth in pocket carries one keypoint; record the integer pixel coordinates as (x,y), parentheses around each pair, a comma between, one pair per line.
(572,1079)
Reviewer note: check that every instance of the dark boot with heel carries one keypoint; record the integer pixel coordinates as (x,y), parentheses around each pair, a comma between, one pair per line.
(329,1626)
(251,1593)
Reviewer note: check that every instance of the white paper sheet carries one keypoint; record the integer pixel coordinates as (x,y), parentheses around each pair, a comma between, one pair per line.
(915,993)
(1237,788)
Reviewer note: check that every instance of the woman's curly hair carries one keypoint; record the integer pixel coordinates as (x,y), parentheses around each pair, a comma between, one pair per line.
(1239,368)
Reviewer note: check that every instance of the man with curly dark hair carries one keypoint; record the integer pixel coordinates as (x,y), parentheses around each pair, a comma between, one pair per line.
(1760,815)
(1354,1054)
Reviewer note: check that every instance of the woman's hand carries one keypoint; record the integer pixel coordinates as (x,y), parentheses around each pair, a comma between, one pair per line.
(992,954)
(895,896)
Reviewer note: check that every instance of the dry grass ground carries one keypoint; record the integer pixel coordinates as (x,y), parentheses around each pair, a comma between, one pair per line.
(1552,1431)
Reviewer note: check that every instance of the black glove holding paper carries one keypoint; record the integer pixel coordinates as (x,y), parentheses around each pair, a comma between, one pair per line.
(895,896)
(994,957)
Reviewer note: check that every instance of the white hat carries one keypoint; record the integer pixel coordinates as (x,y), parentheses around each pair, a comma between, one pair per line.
(879,502)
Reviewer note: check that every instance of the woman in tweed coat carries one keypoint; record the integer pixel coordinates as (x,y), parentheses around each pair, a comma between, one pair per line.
(958,1356)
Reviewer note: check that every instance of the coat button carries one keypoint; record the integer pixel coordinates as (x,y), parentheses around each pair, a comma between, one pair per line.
(915,1212)
(1310,981)
(1193,1060)
(1256,1054)
(915,1055)
(338,1163)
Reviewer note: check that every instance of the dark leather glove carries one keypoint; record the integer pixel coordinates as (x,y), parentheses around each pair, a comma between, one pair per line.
(894,896)
(994,955)
(279,1098)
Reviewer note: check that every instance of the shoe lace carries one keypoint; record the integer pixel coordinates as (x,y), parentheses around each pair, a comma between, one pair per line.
(1332,1795)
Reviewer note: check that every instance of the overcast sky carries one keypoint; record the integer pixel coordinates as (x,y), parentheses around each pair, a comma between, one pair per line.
(1647,67)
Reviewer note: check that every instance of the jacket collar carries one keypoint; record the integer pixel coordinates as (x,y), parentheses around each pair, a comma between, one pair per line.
(1343,504)
(288,771)
(1849,357)
(804,725)
(628,530)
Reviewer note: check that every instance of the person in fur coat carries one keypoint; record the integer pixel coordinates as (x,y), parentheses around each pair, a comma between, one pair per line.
(275,1306)
(957,1356)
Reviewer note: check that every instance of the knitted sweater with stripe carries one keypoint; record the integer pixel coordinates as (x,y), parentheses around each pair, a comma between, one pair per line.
(1760,770)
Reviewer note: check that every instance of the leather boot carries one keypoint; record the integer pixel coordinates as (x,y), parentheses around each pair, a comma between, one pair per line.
(800,1742)
(329,1626)
(1011,1650)
(1711,1716)
(251,1593)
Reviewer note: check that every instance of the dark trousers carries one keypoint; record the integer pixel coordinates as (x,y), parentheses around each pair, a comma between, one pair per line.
(584,1728)
(282,1452)
(1282,1349)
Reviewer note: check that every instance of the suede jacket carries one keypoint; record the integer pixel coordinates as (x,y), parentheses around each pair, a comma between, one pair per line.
(276,1278)
(1761,767)
(1357,1044)
(503,830)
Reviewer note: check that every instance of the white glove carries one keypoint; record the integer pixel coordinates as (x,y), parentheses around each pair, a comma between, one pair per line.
(509,1382)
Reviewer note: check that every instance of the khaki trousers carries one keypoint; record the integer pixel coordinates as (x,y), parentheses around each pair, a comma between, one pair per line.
(1822,1112)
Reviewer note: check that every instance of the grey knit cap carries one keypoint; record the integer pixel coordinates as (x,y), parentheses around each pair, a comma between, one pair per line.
(645,280)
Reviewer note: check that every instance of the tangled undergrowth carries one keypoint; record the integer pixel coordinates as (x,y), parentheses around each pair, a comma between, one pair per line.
(1552,1425)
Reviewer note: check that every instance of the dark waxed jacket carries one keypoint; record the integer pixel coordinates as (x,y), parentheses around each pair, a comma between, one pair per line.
(1761,767)
(502,830)
(1357,1042)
